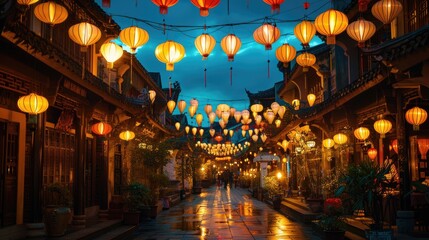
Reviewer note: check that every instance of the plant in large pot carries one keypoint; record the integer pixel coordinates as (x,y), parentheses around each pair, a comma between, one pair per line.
(273,186)
(136,196)
(57,201)
(332,221)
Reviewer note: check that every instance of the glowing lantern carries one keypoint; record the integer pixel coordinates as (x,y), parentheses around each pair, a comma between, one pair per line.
(164,5)
(256,131)
(218,138)
(284,144)
(127,135)
(205,5)
(372,153)
(177,125)
(225,132)
(395,145)
(212,132)
(231,133)
(192,110)
(133,37)
(212,117)
(282,111)
(423,147)
(201,131)
(361,133)
(275,107)
(222,123)
(331,23)
(194,131)
(306,60)
(250,132)
(230,45)
(416,116)
(237,116)
(386,10)
(171,105)
(208,109)
(295,104)
(205,44)
(305,31)
(243,133)
(51,13)
(275,4)
(111,52)
(187,129)
(256,108)
(169,53)
(264,137)
(311,98)
(285,53)
(340,138)
(194,102)
(245,114)
(225,116)
(232,111)
(382,126)
(266,35)
(26,2)
(361,30)
(278,122)
(270,116)
(101,128)
(199,119)
(84,34)
(255,138)
(258,119)
(152,95)
(328,143)
(33,104)
(181,105)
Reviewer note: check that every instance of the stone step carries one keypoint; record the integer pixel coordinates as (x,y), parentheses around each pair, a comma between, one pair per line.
(297,212)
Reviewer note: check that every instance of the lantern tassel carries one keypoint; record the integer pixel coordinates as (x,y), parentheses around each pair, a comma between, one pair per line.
(230,76)
(268,62)
(205,77)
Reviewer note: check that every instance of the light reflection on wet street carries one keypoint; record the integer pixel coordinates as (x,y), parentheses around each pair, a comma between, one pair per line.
(219,213)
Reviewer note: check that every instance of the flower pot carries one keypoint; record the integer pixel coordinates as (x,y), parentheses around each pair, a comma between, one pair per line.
(56,220)
(334,235)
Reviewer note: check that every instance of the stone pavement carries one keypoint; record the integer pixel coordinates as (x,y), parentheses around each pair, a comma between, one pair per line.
(219,213)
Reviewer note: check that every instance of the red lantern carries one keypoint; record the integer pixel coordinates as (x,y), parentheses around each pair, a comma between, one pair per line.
(372,153)
(423,147)
(101,128)
(164,5)
(395,145)
(205,5)
(275,4)
(218,138)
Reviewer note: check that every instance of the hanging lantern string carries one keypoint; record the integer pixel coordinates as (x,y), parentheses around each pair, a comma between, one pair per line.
(205,77)
(230,76)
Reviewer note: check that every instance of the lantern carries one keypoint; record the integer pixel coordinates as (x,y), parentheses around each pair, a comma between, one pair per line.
(416,116)
(310,143)
(26,2)
(284,144)
(270,116)
(231,133)
(423,147)
(101,128)
(51,13)
(212,132)
(278,122)
(250,131)
(33,104)
(237,116)
(127,135)
(223,107)
(133,37)
(164,5)
(386,10)
(187,129)
(232,111)
(199,119)
(372,153)
(230,45)
(208,109)
(225,116)
(266,35)
(275,107)
(194,131)
(382,126)
(264,137)
(225,132)
(152,95)
(177,125)
(285,53)
(295,104)
(245,115)
(205,5)
(171,105)
(311,98)
(255,137)
(194,102)
(222,124)
(111,52)
(192,110)
(331,23)
(258,119)
(328,143)
(205,44)
(218,138)
(84,34)
(181,105)
(361,133)
(256,108)
(361,30)
(305,31)
(170,53)
(340,138)
(306,60)
(275,4)
(201,131)
(243,133)
(282,111)
(395,145)
(212,117)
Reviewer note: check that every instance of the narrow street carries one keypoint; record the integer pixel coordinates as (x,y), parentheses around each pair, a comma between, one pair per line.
(219,213)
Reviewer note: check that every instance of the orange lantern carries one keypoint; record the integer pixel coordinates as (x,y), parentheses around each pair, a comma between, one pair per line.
(127,135)
(187,129)
(311,98)
(84,34)
(111,52)
(181,105)
(306,60)
(416,116)
(170,53)
(51,13)
(177,125)
(192,110)
(133,37)
(361,133)
(205,44)
(212,117)
(330,24)
(101,128)
(395,145)
(340,138)
(199,119)
(164,5)
(328,143)
(285,54)
(171,105)
(230,45)
(305,31)
(208,109)
(382,126)
(361,30)
(423,147)
(205,5)
(266,35)
(372,153)
(386,10)
(26,2)
(218,138)
(33,104)
(212,132)
(275,4)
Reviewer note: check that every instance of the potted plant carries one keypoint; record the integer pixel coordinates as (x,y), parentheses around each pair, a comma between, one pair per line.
(136,196)
(274,190)
(332,221)
(57,209)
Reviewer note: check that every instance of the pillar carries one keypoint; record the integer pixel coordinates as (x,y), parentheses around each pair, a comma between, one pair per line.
(79,170)
(38,136)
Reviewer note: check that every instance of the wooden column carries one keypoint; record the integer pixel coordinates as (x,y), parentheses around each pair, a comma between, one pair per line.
(38,155)
(79,170)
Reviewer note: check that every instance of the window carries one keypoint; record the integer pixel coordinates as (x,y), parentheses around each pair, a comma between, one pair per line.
(417,14)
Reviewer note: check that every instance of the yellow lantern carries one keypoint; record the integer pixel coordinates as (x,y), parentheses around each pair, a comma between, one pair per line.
(170,53)
(282,111)
(101,128)
(264,137)
(201,131)
(33,104)
(270,116)
(340,138)
(208,109)
(212,117)
(212,132)
(194,131)
(26,2)
(230,45)
(285,54)
(127,135)
(330,24)
(266,35)
(305,31)
(152,95)
(192,110)
(177,125)
(133,37)
(306,60)
(311,98)
(255,137)
(275,107)
(187,129)
(84,34)
(181,105)
(295,104)
(256,108)
(231,133)
(361,30)
(205,44)
(416,116)
(382,126)
(199,119)
(278,122)
(328,143)
(361,133)
(372,153)
(237,116)
(225,132)
(51,13)
(386,10)
(171,105)
(111,52)
(225,116)
(284,144)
